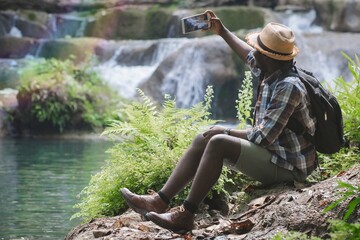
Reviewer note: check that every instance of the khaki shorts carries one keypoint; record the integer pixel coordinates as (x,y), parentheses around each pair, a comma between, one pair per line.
(255,162)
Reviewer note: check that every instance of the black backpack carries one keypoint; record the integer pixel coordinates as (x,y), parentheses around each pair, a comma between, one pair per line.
(329,133)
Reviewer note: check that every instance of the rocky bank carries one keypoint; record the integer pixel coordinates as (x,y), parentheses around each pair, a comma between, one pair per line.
(272,210)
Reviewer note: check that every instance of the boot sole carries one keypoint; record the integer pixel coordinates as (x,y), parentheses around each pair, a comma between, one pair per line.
(168,227)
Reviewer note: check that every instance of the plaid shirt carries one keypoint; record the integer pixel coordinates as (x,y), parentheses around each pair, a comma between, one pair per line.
(277,101)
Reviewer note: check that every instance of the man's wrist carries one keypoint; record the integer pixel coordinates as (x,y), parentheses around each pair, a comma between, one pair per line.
(223,32)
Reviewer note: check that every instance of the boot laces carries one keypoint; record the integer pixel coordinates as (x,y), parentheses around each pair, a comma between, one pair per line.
(151,192)
(177,209)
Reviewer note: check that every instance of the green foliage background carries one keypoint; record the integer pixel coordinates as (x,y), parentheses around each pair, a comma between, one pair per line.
(151,141)
(59,95)
(348,94)
(148,142)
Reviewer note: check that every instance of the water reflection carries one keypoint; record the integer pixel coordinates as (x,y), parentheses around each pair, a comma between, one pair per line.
(39,184)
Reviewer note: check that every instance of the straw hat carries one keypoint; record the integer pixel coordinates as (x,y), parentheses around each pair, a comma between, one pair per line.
(276,41)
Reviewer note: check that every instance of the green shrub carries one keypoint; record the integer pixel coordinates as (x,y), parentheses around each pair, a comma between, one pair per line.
(353,193)
(58,95)
(152,140)
(348,94)
(341,230)
(293,235)
(335,163)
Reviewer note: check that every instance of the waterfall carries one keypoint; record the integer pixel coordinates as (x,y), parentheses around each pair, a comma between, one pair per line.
(316,54)
(61,26)
(14,31)
(299,21)
(39,48)
(186,80)
(125,73)
(183,67)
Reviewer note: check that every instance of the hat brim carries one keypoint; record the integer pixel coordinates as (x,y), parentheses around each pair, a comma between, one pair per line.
(251,39)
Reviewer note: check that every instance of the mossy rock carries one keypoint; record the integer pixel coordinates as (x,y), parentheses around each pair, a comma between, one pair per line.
(154,23)
(235,18)
(63,49)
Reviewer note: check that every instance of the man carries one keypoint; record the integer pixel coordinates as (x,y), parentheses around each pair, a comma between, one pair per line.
(268,152)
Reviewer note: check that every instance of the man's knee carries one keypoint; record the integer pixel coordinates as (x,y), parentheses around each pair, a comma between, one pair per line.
(218,142)
(199,141)
(226,146)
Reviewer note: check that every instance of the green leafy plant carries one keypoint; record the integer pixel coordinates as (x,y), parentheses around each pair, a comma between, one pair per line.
(351,192)
(341,230)
(58,95)
(244,101)
(293,235)
(335,163)
(348,94)
(153,138)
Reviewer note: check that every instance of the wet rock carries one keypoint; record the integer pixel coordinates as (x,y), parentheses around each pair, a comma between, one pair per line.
(13,47)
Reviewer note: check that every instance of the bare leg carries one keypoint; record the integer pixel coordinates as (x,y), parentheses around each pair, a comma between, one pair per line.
(204,161)
(219,147)
(207,171)
(186,168)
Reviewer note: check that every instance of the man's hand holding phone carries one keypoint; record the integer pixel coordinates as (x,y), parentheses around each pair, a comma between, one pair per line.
(216,25)
(204,21)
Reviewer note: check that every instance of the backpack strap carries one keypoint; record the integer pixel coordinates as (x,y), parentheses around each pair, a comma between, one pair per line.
(293,124)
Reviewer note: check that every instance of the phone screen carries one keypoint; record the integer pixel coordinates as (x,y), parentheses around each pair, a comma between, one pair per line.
(195,23)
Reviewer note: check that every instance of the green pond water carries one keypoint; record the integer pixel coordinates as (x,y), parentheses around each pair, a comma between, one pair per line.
(40,181)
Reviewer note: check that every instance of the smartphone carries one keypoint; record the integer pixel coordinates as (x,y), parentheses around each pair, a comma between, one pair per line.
(195,23)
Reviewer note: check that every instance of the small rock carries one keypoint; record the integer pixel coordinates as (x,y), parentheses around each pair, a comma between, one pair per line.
(98,234)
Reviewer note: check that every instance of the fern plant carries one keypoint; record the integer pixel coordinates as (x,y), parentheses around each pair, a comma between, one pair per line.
(153,138)
(352,192)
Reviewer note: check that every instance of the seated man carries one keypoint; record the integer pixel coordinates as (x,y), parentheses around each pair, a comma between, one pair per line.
(268,152)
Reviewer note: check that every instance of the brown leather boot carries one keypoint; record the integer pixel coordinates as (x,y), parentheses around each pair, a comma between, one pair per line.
(144,203)
(178,220)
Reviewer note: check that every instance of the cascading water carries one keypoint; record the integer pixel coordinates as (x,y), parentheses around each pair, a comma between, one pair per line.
(14,31)
(320,51)
(123,78)
(67,25)
(126,76)
(186,80)
(300,21)
(187,77)
(183,67)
